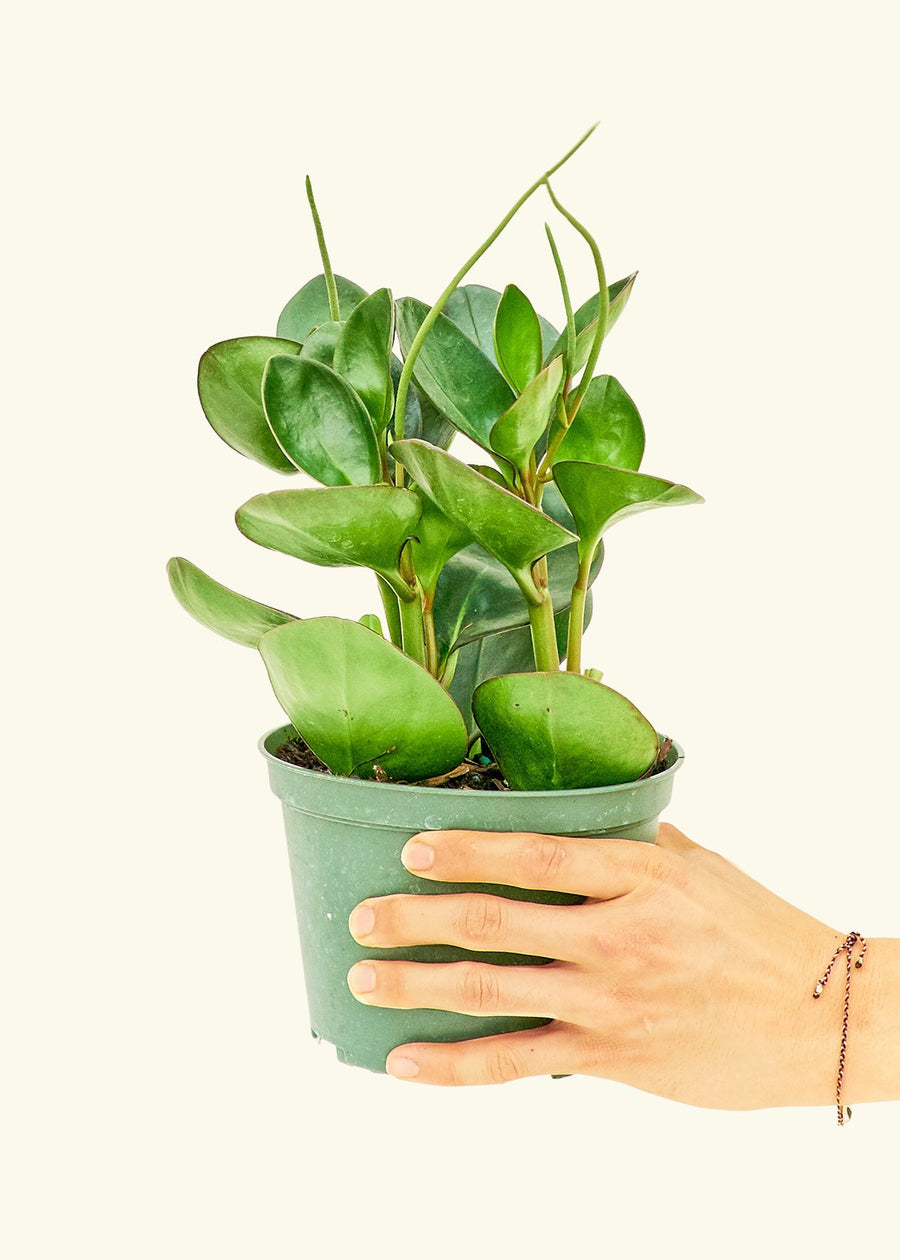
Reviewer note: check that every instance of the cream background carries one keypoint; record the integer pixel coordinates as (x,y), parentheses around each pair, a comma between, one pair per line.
(161,1095)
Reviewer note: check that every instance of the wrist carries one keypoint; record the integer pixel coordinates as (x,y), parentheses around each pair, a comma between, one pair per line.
(872,1072)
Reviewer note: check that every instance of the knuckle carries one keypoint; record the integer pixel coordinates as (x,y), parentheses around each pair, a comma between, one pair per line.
(483,919)
(479,986)
(504,1065)
(545,857)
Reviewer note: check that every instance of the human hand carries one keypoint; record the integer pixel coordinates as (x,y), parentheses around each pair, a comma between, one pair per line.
(679,975)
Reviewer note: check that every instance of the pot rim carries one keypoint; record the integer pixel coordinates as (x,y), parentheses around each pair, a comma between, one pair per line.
(676,757)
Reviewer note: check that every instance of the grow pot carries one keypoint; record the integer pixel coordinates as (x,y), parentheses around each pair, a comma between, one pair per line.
(344,841)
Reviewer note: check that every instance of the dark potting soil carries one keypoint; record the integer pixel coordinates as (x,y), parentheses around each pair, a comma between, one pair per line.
(480,775)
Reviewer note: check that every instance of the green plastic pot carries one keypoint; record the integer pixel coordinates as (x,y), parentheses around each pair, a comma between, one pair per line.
(344,841)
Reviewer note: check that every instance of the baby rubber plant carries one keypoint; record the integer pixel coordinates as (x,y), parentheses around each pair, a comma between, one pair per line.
(484,570)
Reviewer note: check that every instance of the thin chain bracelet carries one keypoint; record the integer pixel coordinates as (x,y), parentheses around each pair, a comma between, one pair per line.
(853,939)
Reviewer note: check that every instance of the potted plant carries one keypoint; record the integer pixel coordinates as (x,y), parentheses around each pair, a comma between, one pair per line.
(456,711)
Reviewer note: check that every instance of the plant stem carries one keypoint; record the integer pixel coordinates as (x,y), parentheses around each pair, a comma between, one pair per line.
(432,659)
(333,304)
(603,312)
(576,615)
(412,622)
(431,317)
(391,611)
(563,421)
(567,302)
(543,627)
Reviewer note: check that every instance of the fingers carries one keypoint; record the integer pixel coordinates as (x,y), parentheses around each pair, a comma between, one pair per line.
(475,921)
(600,869)
(545,991)
(551,1050)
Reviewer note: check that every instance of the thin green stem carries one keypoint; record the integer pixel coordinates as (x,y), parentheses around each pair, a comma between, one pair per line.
(432,658)
(430,319)
(576,615)
(563,421)
(567,302)
(603,312)
(412,621)
(391,610)
(543,626)
(334,306)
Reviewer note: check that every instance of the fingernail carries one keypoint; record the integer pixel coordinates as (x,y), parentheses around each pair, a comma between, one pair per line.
(361,978)
(417,856)
(362,920)
(404,1068)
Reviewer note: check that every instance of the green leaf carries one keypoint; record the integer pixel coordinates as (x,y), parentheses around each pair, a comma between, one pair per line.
(423,420)
(454,374)
(437,539)
(372,622)
(359,702)
(320,343)
(607,428)
(309,308)
(510,529)
(561,731)
(233,616)
(599,496)
(337,525)
(473,308)
(517,338)
(321,423)
(586,321)
(477,596)
(229,382)
(516,433)
(363,355)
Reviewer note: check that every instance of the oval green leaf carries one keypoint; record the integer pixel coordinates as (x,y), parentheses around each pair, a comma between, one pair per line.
(320,343)
(586,321)
(607,428)
(362,355)
(518,430)
(359,702)
(517,338)
(473,308)
(335,525)
(229,382)
(309,308)
(320,423)
(220,609)
(510,529)
(561,732)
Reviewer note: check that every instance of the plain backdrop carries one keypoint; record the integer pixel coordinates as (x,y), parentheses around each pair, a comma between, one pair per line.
(161,1093)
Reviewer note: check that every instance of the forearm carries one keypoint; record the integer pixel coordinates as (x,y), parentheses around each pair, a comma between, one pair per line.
(872,1072)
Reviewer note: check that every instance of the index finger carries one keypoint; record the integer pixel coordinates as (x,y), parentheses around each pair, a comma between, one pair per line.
(601,868)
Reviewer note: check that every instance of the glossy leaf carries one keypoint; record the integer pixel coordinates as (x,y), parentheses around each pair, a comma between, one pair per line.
(518,430)
(607,428)
(321,423)
(473,308)
(586,321)
(309,308)
(477,596)
(362,355)
(320,343)
(372,622)
(220,609)
(518,347)
(454,374)
(359,702)
(503,524)
(599,496)
(336,525)
(423,420)
(561,731)
(437,539)
(229,382)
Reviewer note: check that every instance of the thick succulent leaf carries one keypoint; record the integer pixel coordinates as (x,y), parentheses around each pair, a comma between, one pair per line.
(508,652)
(586,321)
(309,308)
(454,374)
(437,538)
(477,596)
(561,731)
(320,343)
(362,355)
(320,423)
(516,533)
(359,702)
(518,430)
(229,382)
(335,525)
(220,609)
(473,308)
(607,428)
(598,496)
(518,346)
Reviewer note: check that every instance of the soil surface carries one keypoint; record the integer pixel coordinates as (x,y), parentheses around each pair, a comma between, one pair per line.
(479,775)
